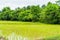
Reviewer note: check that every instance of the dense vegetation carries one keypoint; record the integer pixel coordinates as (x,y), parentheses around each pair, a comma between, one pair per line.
(49,13)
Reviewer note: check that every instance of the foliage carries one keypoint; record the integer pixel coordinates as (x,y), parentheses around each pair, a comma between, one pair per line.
(49,13)
(58,2)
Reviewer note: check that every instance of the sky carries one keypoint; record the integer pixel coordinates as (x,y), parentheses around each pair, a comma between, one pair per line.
(21,3)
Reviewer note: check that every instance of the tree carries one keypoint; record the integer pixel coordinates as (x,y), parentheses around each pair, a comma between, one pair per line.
(14,15)
(28,7)
(5,14)
(25,16)
(58,2)
(49,14)
(35,10)
(43,6)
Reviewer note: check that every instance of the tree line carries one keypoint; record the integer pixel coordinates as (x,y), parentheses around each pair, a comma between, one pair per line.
(49,13)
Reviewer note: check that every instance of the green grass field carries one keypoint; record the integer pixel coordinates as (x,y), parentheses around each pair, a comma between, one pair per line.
(29,29)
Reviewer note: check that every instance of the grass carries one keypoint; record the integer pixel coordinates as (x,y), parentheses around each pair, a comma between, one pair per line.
(29,29)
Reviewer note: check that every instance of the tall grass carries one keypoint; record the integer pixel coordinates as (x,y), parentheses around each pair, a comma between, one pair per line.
(13,36)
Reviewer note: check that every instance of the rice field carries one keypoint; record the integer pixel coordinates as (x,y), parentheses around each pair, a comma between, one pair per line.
(14,30)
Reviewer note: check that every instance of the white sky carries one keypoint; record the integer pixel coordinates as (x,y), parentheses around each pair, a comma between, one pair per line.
(20,3)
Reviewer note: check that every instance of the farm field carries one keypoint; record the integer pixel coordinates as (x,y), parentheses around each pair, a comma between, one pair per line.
(29,29)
